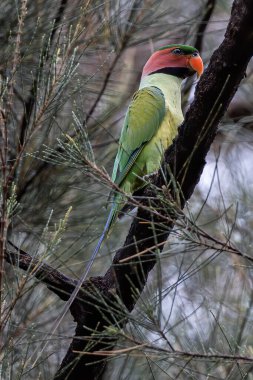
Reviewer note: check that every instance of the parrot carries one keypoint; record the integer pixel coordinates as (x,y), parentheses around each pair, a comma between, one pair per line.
(151,122)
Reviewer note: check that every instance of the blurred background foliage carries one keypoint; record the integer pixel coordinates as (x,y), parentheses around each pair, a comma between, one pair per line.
(68,70)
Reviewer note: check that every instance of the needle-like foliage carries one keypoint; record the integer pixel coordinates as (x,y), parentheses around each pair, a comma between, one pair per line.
(67,72)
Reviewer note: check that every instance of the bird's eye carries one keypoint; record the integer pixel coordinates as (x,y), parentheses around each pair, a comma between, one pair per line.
(177,51)
(195,54)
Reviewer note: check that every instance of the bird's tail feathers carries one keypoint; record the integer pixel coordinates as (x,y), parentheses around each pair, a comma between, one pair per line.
(110,220)
(115,207)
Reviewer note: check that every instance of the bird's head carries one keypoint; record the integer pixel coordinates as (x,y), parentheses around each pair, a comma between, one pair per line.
(178,60)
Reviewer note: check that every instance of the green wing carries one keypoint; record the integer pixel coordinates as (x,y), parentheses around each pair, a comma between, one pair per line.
(144,116)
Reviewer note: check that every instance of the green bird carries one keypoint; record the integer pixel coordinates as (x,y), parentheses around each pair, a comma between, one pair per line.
(151,123)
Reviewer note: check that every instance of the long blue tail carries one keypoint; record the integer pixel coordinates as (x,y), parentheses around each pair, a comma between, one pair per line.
(111,217)
(107,226)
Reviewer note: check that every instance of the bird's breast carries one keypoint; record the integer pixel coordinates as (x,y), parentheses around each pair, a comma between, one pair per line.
(168,129)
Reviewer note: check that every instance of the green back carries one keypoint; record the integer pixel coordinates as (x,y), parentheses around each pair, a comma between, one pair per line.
(144,116)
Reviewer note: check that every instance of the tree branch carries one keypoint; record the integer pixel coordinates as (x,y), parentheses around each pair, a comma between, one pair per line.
(57,282)
(198,42)
(209,8)
(30,101)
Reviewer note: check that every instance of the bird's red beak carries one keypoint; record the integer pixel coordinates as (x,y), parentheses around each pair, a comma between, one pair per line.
(196,64)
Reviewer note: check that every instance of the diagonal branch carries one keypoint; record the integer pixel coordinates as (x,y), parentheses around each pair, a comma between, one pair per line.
(198,41)
(30,102)
(56,281)
(209,8)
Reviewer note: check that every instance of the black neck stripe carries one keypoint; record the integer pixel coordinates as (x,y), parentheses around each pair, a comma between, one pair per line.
(180,72)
